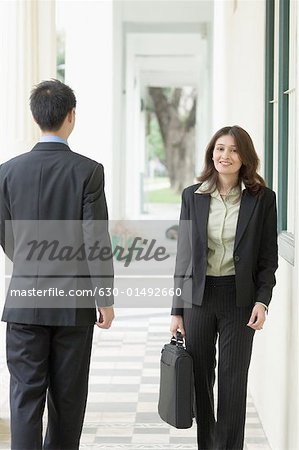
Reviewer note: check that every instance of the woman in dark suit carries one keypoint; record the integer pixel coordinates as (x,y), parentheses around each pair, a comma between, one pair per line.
(226,260)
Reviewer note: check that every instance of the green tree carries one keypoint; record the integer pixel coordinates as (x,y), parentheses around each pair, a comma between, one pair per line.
(175,110)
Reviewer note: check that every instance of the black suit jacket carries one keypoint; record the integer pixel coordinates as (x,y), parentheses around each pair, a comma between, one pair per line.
(255,249)
(52,183)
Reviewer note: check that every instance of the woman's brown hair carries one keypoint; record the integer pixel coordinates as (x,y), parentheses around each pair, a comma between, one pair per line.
(249,158)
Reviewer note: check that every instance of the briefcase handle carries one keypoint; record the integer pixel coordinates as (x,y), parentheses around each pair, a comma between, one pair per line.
(177,340)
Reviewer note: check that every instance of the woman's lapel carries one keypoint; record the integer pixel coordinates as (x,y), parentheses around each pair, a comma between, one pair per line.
(202,206)
(247,206)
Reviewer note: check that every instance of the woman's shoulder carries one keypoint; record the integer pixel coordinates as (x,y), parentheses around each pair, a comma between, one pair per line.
(189,190)
(266,193)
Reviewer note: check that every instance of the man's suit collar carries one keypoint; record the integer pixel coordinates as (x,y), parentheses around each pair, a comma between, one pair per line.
(51,146)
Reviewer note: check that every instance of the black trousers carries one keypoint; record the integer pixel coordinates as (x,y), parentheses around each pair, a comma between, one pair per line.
(218,316)
(52,362)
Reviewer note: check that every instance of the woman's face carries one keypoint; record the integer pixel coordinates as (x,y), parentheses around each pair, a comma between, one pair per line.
(225,155)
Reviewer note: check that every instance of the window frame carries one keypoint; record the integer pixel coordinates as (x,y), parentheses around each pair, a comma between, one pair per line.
(286,241)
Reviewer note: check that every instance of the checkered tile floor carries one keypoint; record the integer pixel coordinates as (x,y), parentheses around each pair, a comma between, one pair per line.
(123,394)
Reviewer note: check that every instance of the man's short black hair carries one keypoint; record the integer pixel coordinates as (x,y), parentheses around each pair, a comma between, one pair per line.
(50,102)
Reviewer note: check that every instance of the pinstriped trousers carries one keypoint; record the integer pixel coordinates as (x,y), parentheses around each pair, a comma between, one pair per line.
(219,317)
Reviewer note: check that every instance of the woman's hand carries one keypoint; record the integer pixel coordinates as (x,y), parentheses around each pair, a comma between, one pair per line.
(177,323)
(257,318)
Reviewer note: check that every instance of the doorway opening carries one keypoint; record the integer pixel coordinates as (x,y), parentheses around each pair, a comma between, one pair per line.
(170,135)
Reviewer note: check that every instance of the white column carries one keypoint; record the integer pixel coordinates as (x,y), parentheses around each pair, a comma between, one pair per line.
(88,71)
(220,66)
(27,55)
(119,96)
(27,52)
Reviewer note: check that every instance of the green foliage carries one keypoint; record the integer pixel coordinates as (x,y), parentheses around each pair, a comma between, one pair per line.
(166,195)
(168,92)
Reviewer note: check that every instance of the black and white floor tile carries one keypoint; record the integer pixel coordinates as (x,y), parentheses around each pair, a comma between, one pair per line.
(123,394)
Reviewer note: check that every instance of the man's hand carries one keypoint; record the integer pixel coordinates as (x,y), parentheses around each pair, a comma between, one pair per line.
(106,317)
(257,318)
(177,323)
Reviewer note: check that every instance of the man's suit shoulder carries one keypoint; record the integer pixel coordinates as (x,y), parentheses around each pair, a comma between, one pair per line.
(85,159)
(86,163)
(76,158)
(15,160)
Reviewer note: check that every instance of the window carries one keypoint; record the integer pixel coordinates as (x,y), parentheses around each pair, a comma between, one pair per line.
(283,113)
(269,91)
(280,112)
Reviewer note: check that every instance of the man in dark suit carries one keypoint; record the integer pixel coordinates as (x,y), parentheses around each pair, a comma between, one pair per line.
(52,191)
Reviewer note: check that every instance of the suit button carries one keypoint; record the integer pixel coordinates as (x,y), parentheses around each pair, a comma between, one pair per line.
(237,258)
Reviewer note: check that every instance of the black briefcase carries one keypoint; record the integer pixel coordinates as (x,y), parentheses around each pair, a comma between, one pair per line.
(176,397)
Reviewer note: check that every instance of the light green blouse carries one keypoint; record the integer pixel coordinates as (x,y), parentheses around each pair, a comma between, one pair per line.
(222,226)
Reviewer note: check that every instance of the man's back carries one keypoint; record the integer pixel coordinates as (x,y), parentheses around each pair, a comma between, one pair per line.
(53,197)
(49,183)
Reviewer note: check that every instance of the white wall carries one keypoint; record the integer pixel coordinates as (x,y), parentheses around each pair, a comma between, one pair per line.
(274,370)
(238,67)
(239,35)
(118,110)
(166,10)
(276,353)
(88,29)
